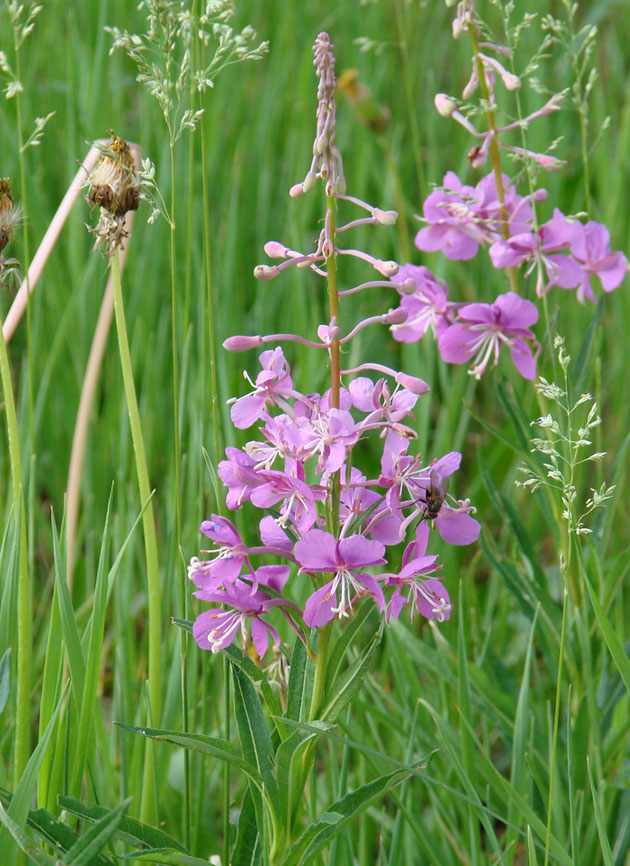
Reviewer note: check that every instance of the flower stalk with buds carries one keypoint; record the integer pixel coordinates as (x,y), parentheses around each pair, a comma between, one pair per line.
(328,523)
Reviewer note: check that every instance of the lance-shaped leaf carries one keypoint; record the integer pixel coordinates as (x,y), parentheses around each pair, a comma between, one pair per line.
(214,746)
(338,815)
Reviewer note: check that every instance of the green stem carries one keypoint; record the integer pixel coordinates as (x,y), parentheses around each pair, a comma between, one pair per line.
(321,659)
(154,601)
(556,714)
(24,641)
(495,156)
(335,366)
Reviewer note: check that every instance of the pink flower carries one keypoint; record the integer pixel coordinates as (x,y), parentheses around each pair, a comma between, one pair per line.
(591,245)
(426,594)
(215,629)
(427,307)
(272,384)
(481,329)
(320,551)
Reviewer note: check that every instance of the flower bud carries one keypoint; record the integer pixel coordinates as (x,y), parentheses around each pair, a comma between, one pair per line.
(388,269)
(408,286)
(412,383)
(242,344)
(265,272)
(395,317)
(444,104)
(275,250)
(297,190)
(384,217)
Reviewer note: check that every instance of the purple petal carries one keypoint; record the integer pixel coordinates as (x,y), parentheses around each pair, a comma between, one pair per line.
(273,576)
(515,311)
(318,609)
(221,530)
(447,464)
(317,551)
(523,359)
(374,588)
(457,527)
(247,410)
(358,551)
(260,636)
(273,535)
(438,604)
(455,344)
(213,619)
(395,605)
(612,270)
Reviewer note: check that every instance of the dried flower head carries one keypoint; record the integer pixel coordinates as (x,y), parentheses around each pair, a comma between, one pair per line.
(10,217)
(114,187)
(113,183)
(8,214)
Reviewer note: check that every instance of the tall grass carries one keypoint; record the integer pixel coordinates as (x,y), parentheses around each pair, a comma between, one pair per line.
(474,697)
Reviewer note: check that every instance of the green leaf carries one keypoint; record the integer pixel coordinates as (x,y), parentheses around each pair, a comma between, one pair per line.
(32,851)
(214,746)
(247,850)
(92,842)
(300,685)
(338,652)
(290,769)
(581,363)
(613,643)
(93,661)
(255,740)
(599,820)
(338,816)
(166,856)
(350,682)
(54,832)
(5,679)
(256,676)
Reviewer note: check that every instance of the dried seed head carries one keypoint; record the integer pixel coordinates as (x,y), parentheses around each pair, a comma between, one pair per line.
(8,214)
(114,187)
(113,183)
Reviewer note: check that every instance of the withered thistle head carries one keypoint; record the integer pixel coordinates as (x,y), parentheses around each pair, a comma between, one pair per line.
(8,214)
(113,183)
(114,187)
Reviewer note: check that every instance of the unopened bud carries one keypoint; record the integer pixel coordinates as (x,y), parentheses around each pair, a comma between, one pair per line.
(388,269)
(384,217)
(408,286)
(265,272)
(444,104)
(242,344)
(309,181)
(297,190)
(477,156)
(512,82)
(412,383)
(395,317)
(275,250)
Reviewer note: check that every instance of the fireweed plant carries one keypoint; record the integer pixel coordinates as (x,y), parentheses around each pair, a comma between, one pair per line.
(333,528)
(563,252)
(460,219)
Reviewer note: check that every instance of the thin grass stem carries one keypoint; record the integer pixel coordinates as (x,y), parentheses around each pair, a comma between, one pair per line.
(149,792)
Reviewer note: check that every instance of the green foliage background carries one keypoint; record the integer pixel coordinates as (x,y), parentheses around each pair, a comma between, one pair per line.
(460,689)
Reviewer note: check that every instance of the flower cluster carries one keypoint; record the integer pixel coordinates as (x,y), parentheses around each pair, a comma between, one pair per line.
(330,525)
(460,218)
(305,441)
